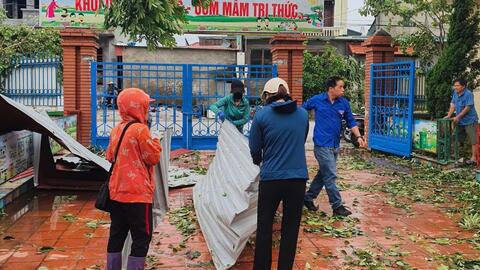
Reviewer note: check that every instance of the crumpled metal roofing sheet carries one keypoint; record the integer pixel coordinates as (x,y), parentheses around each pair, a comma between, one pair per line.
(226,199)
(16,114)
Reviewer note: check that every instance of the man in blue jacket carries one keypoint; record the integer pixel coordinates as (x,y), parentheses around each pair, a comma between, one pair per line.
(330,108)
(277,145)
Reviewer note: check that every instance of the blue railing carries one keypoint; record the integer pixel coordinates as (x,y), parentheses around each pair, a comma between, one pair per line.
(183,93)
(35,80)
(391,107)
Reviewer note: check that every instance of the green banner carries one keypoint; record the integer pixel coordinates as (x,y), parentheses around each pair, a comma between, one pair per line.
(219,16)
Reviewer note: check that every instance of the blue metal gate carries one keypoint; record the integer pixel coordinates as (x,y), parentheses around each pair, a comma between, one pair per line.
(183,93)
(391,107)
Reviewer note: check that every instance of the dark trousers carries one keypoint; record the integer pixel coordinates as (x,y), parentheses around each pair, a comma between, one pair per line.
(133,217)
(291,193)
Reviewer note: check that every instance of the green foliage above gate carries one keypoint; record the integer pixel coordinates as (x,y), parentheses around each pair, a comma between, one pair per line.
(456,59)
(24,40)
(156,21)
(428,18)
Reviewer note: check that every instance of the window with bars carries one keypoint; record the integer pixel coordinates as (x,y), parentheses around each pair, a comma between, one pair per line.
(260,57)
(21,4)
(14,8)
(9,6)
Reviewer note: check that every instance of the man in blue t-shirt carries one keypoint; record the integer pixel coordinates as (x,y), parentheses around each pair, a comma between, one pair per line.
(465,116)
(330,108)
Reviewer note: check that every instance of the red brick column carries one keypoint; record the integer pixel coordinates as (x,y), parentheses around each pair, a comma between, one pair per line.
(287,54)
(379,49)
(79,48)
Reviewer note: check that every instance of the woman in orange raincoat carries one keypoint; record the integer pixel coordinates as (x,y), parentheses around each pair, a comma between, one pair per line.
(131,183)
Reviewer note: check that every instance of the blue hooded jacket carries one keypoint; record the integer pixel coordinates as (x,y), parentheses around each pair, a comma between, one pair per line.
(277,141)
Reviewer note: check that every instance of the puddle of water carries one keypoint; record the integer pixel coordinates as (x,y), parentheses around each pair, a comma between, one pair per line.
(42,204)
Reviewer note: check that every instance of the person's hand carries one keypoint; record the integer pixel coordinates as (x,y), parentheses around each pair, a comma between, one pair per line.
(361,142)
(221,116)
(456,120)
(446,117)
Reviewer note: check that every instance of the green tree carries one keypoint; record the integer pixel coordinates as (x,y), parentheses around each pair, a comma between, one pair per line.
(456,59)
(318,68)
(156,21)
(429,17)
(23,40)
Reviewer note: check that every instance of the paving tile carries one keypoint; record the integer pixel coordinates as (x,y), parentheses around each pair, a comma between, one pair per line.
(26,256)
(97,243)
(171,261)
(46,235)
(53,226)
(40,243)
(204,255)
(72,242)
(5,255)
(23,228)
(243,266)
(76,233)
(66,254)
(59,264)
(27,220)
(97,253)
(90,264)
(20,266)
(247,255)
(7,245)
(18,236)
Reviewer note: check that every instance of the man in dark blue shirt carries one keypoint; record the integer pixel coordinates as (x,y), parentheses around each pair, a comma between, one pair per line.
(330,108)
(465,115)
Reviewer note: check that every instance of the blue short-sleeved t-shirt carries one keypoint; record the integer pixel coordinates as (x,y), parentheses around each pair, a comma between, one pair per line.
(460,102)
(328,119)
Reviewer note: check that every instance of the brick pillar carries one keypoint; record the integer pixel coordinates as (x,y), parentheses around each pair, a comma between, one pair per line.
(379,49)
(79,48)
(287,53)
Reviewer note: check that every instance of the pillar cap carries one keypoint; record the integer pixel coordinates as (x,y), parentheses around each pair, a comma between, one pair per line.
(79,37)
(379,38)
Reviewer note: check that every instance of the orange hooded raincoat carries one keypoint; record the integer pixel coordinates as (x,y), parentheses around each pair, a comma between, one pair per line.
(132,176)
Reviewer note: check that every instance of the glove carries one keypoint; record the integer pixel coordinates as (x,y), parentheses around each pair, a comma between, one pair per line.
(257,160)
(221,116)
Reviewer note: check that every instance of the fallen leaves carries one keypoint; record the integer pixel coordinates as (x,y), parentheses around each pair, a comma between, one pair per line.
(184,219)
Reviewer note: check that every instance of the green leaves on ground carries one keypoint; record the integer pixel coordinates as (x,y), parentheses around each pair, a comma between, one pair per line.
(184,219)
(330,226)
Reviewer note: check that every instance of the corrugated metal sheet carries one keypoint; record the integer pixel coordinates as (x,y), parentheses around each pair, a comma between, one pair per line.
(20,114)
(226,199)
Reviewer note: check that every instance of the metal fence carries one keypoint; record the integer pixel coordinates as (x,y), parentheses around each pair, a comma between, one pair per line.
(182,93)
(35,81)
(420,96)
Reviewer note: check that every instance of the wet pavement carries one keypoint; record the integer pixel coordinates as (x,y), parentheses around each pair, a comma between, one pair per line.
(65,231)
(54,231)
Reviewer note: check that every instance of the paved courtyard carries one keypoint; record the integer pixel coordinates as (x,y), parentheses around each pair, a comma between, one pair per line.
(405,217)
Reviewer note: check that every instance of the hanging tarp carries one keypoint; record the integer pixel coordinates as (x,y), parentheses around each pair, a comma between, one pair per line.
(226,199)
